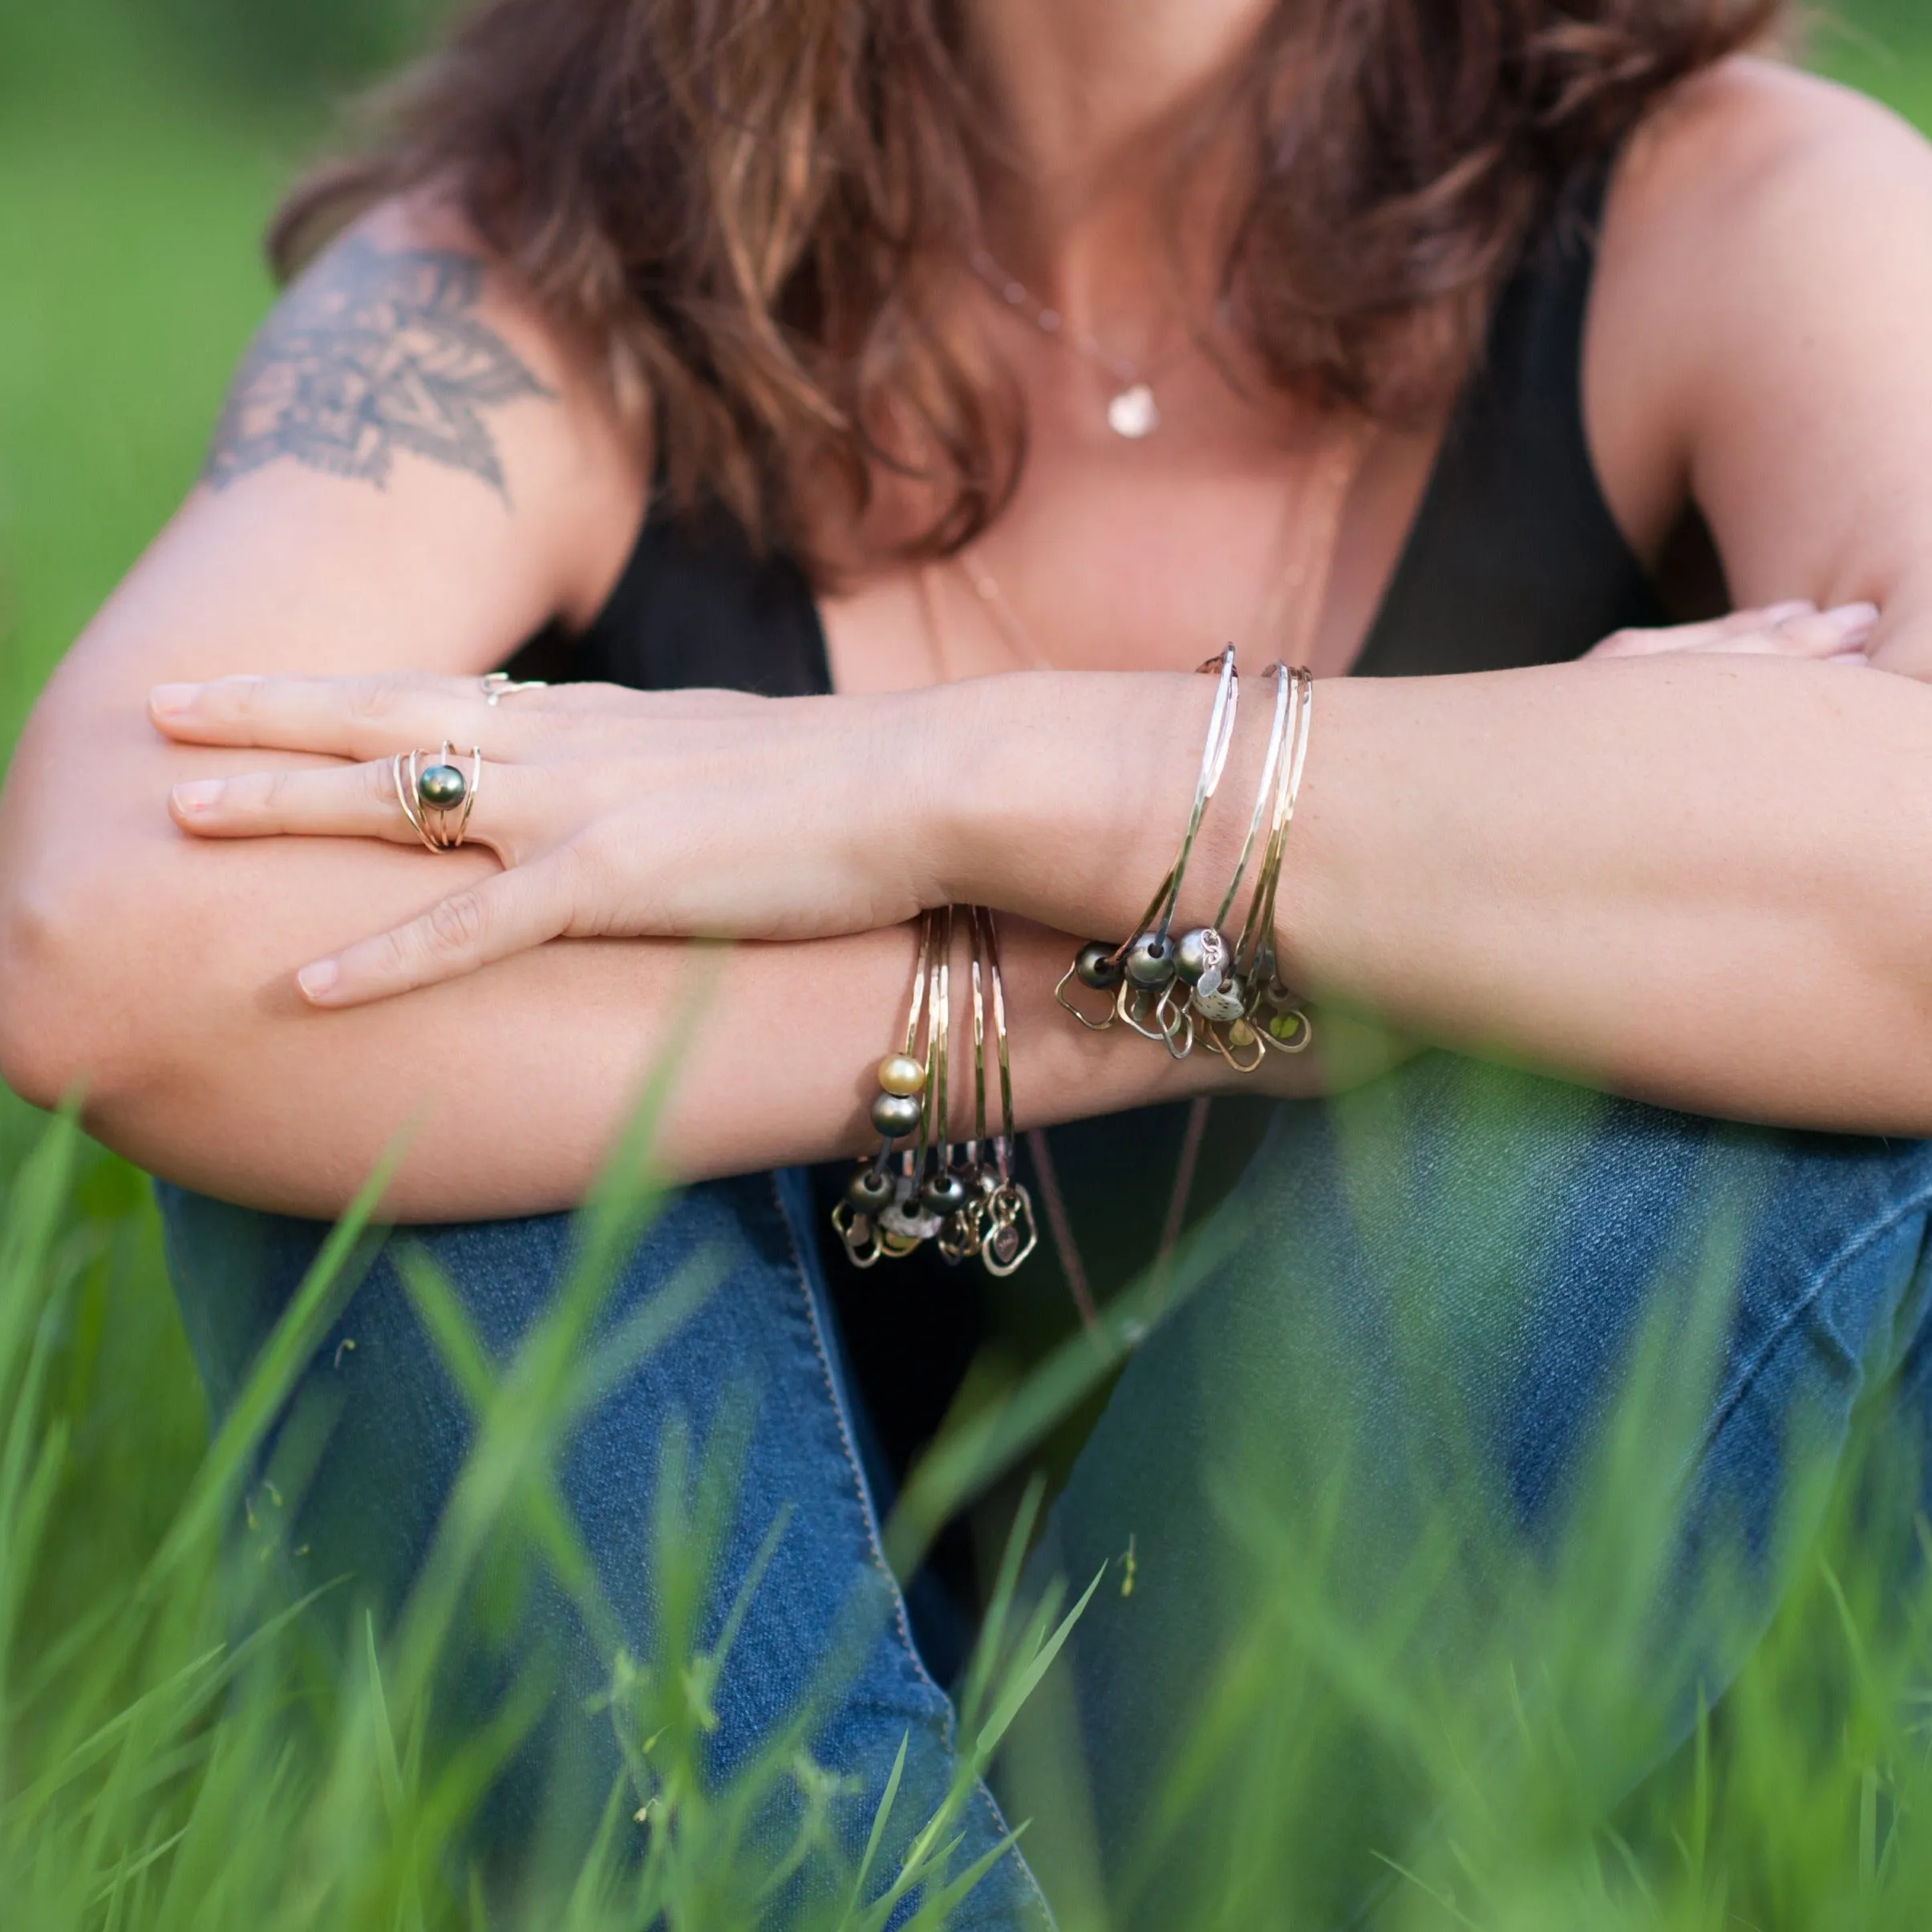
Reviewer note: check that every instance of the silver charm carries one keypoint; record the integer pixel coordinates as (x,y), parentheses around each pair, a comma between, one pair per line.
(1202,957)
(908,1218)
(1224,1002)
(1014,1234)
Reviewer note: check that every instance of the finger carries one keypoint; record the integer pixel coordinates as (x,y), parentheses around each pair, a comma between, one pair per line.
(357,718)
(342,801)
(1829,635)
(1705,636)
(499,917)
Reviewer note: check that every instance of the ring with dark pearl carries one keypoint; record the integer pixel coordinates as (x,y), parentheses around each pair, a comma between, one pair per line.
(945,1193)
(1150,960)
(900,1074)
(1096,967)
(869,1191)
(895,1114)
(1200,954)
(442,788)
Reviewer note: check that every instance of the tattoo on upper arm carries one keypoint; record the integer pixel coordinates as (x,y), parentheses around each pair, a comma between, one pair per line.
(371,352)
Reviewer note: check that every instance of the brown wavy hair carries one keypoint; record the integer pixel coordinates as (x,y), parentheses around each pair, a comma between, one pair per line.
(751,208)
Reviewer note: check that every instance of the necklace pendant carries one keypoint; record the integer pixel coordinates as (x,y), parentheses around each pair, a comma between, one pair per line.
(1132,413)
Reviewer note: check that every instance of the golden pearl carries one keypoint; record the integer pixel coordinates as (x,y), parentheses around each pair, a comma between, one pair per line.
(899,1073)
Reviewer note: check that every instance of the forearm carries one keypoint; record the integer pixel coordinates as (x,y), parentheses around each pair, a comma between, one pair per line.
(156,973)
(1699,880)
(510,1087)
(1705,881)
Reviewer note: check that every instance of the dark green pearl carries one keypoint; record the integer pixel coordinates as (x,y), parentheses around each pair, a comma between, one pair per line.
(895,1114)
(1150,960)
(1094,968)
(442,788)
(945,1194)
(869,1191)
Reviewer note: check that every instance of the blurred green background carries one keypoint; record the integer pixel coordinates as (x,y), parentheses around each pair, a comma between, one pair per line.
(142,145)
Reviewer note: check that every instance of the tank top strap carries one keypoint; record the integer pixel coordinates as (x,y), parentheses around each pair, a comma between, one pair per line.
(1514,557)
(697,606)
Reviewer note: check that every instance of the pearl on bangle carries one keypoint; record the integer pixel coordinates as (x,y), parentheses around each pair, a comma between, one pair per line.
(894,1114)
(899,1073)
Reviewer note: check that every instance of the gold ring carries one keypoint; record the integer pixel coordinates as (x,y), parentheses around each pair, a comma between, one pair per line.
(437,797)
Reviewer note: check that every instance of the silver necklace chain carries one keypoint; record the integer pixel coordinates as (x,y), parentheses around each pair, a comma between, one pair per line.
(1131,411)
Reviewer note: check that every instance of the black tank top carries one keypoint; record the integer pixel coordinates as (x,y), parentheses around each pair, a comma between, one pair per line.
(1514,558)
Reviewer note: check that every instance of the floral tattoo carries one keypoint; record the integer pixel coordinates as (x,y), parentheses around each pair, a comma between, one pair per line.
(373,352)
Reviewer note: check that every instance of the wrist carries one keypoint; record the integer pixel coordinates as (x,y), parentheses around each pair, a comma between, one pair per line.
(1051,790)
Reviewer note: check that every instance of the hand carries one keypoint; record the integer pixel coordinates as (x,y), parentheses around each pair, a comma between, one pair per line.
(1798,630)
(615,813)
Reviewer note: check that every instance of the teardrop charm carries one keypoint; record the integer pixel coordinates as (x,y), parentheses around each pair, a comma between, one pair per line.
(1132,413)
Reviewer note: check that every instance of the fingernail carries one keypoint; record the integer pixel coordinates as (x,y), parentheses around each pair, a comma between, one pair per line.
(1782,614)
(165,700)
(318,981)
(1851,623)
(199,794)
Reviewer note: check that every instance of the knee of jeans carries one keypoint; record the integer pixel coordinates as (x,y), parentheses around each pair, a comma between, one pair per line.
(1434,1213)
(1502,1244)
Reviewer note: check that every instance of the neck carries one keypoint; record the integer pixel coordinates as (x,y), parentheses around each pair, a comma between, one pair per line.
(1092,95)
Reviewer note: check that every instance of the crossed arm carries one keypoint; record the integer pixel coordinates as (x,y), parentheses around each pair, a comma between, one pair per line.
(1703,879)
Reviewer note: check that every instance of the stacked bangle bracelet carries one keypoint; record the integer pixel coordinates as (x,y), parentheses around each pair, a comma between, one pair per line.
(962,1197)
(1197,988)
(1200,989)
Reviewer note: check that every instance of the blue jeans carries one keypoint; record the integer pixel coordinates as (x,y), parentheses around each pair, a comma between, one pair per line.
(1454,1268)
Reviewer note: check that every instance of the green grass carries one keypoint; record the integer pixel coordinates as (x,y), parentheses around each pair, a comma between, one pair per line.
(152,1776)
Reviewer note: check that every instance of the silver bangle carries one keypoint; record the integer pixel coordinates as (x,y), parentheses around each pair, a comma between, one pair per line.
(1139,968)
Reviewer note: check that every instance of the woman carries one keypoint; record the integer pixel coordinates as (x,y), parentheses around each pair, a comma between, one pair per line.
(987,367)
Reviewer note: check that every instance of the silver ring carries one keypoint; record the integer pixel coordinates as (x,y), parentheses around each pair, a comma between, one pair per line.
(499,684)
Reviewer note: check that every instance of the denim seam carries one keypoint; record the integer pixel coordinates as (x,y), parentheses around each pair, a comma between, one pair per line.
(869,1514)
(1781,1333)
(868,1510)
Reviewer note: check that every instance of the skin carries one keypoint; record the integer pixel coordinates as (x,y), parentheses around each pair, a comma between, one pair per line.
(1697,868)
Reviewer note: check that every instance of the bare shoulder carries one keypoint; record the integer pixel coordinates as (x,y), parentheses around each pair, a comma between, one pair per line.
(1753,131)
(1758,221)
(405,362)
(1756,178)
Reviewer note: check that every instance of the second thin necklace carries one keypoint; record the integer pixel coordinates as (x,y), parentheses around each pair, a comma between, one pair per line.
(1292,593)
(1298,591)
